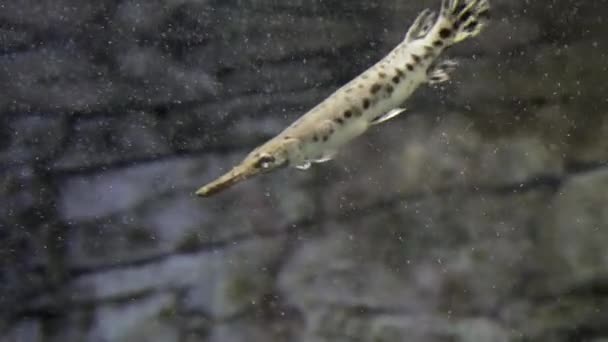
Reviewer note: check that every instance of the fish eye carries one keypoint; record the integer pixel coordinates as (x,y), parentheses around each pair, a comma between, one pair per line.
(264,161)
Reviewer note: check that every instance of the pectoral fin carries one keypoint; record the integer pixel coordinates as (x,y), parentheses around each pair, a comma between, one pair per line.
(389,115)
(305,165)
(325,156)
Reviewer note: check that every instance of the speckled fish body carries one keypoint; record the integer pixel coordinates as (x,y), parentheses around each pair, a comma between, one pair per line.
(374,96)
(352,109)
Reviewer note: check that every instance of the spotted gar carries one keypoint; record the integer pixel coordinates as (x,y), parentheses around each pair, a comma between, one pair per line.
(374,96)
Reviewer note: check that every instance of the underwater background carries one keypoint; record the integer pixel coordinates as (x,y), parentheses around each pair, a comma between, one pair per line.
(481,214)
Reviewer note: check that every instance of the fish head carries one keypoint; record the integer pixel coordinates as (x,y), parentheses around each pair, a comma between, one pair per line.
(268,157)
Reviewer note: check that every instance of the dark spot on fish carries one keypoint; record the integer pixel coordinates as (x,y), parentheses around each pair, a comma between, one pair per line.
(416,58)
(360,85)
(325,137)
(409,67)
(375,87)
(339,121)
(364,76)
(428,56)
(396,79)
(381,75)
(399,72)
(389,89)
(286,137)
(428,48)
(356,112)
(444,33)
(438,43)
(348,90)
(331,131)
(348,114)
(315,138)
(365,103)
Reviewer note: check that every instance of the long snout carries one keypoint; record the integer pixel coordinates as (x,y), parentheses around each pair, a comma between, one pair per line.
(236,175)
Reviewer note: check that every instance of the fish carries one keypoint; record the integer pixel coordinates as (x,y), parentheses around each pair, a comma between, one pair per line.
(373,97)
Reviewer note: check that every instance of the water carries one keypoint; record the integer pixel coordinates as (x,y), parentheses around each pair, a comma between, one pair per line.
(478,215)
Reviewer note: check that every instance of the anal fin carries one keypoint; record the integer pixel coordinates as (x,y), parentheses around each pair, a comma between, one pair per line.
(388,115)
(441,72)
(305,165)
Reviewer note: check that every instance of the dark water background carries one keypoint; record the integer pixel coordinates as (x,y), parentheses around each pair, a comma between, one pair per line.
(480,215)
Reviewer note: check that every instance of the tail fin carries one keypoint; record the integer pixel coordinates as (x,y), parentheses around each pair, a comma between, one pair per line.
(461,19)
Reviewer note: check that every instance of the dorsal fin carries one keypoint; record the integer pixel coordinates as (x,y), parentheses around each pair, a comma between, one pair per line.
(421,26)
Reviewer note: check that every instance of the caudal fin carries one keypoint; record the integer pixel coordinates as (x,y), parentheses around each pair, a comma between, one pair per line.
(461,19)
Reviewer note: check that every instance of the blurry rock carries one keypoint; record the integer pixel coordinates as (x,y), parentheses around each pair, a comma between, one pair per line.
(27,239)
(105,140)
(566,316)
(146,321)
(453,253)
(58,16)
(358,324)
(13,38)
(32,138)
(584,146)
(47,80)
(159,79)
(220,283)
(24,331)
(103,194)
(247,330)
(456,154)
(480,329)
(394,328)
(574,233)
(324,272)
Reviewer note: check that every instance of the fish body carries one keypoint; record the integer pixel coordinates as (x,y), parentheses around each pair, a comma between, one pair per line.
(374,96)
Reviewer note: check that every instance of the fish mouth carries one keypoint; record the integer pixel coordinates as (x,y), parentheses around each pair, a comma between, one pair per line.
(236,175)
